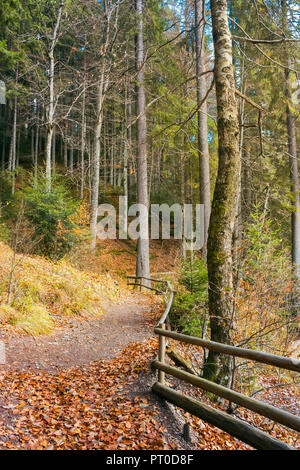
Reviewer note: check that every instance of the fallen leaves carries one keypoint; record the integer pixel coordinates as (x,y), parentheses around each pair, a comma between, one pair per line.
(91,407)
(82,408)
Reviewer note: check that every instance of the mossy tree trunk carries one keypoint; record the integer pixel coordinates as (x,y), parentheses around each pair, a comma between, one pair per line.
(219,255)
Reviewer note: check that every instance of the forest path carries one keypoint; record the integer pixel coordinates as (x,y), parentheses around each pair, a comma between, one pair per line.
(88,386)
(82,342)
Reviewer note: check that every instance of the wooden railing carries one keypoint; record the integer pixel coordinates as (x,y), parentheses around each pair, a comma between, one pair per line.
(237,428)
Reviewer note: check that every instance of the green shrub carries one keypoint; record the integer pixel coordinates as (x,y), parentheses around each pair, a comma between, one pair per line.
(189,312)
(45,221)
(8,202)
(50,216)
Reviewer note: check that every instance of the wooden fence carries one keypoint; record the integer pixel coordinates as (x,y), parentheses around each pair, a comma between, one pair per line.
(234,426)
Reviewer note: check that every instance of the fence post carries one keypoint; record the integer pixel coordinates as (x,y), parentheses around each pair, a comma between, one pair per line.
(161,354)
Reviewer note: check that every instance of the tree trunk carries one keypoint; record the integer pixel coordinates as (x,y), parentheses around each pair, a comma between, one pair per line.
(53,149)
(104,158)
(14,136)
(293,161)
(294,177)
(32,144)
(13,154)
(219,256)
(3,150)
(36,150)
(13,143)
(66,146)
(129,140)
(71,162)
(143,264)
(51,105)
(125,161)
(83,131)
(50,119)
(203,150)
(237,237)
(96,158)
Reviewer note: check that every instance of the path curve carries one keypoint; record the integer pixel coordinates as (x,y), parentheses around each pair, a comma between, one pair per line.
(84,341)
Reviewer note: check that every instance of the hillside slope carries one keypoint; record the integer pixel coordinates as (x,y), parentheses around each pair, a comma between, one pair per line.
(37,295)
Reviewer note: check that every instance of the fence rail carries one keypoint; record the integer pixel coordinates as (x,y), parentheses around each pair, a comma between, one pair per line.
(237,428)
(259,356)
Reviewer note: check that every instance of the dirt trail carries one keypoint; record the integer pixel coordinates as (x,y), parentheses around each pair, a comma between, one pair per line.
(84,341)
(84,346)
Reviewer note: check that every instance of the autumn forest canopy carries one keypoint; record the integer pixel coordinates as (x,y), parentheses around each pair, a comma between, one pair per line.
(167,102)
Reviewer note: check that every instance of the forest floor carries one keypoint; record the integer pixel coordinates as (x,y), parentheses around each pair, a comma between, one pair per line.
(83,341)
(87,384)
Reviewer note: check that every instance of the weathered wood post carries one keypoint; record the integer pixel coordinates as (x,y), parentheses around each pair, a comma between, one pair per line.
(162,354)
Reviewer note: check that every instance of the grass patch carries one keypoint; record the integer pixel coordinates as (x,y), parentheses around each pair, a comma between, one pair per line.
(31,319)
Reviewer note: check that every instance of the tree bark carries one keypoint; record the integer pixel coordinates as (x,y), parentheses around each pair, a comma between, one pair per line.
(51,105)
(53,149)
(294,177)
(96,157)
(143,264)
(71,162)
(125,159)
(13,148)
(219,256)
(12,165)
(129,140)
(203,150)
(293,159)
(36,150)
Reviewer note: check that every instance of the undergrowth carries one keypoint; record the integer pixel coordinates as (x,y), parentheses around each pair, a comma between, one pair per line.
(189,311)
(45,292)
